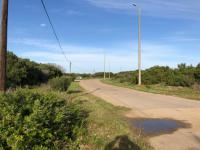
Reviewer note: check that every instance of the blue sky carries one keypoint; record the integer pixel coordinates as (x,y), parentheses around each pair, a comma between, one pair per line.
(89,28)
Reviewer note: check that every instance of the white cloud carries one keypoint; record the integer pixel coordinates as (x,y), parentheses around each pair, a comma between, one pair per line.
(122,56)
(53,46)
(43,25)
(182,39)
(68,12)
(119,4)
(187,9)
(73,13)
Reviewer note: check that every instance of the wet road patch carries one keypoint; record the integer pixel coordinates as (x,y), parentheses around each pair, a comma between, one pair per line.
(154,127)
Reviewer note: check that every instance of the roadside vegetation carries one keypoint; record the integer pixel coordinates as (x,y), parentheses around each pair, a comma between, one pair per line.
(42,118)
(185,76)
(31,120)
(61,83)
(107,127)
(23,72)
(106,124)
(56,113)
(184,92)
(183,81)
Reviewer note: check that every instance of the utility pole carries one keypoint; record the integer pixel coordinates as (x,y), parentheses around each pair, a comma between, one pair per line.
(94,71)
(139,44)
(70,67)
(109,70)
(3,45)
(104,66)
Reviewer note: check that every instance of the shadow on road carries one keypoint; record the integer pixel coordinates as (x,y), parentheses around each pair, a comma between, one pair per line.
(122,143)
(86,93)
(74,91)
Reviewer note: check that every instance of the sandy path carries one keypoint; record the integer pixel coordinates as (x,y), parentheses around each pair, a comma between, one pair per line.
(155,106)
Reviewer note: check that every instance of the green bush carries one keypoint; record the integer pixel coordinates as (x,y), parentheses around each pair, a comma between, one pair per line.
(197,74)
(60,83)
(128,77)
(155,75)
(180,80)
(29,120)
(22,72)
(182,76)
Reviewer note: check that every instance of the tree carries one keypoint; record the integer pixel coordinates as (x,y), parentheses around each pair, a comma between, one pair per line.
(197,74)
(22,72)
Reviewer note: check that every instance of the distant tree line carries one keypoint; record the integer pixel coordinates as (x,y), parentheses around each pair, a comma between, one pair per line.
(183,75)
(101,74)
(21,72)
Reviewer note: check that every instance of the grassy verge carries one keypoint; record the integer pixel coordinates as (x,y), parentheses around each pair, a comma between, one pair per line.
(107,128)
(106,125)
(183,92)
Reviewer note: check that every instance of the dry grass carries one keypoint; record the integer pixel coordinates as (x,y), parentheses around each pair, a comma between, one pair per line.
(106,125)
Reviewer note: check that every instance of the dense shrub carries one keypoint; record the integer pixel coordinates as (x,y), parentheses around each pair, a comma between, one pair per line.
(182,76)
(29,120)
(197,74)
(60,83)
(129,77)
(178,79)
(101,74)
(155,75)
(21,72)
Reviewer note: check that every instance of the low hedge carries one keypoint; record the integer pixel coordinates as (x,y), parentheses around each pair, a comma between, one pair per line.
(29,120)
(60,83)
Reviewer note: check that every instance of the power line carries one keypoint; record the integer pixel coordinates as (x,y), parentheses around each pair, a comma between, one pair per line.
(56,36)
(54,31)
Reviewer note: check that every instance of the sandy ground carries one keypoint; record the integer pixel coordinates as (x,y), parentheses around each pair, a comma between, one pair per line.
(149,105)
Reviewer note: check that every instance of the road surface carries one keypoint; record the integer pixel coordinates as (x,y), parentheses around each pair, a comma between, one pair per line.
(147,105)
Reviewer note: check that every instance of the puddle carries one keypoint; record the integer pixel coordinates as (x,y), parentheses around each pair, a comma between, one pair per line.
(153,127)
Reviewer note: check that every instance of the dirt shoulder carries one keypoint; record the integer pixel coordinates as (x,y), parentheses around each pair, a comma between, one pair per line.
(155,106)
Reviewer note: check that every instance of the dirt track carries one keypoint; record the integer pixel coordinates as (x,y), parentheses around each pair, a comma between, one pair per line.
(155,106)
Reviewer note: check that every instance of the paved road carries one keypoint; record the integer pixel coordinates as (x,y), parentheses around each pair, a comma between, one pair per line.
(155,106)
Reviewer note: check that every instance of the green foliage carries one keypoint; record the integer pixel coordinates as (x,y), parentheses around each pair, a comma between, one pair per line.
(21,72)
(182,76)
(60,83)
(130,77)
(179,79)
(197,74)
(156,75)
(29,120)
(101,74)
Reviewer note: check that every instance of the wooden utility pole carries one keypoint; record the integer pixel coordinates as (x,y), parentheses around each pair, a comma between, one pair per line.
(3,45)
